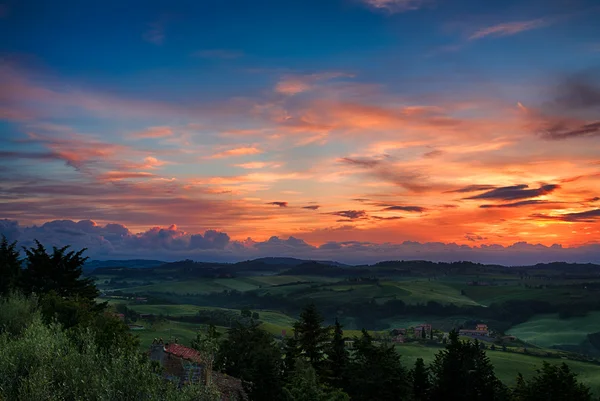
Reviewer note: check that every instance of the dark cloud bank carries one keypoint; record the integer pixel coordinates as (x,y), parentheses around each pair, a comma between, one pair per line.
(115,241)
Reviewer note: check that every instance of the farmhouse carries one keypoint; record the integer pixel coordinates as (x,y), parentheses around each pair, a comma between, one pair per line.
(185,365)
(481,330)
(423,330)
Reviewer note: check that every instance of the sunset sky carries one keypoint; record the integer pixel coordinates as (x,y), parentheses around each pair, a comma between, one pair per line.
(336,122)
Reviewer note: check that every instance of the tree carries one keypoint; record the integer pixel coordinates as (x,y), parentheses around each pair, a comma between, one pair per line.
(313,339)
(246,313)
(60,272)
(464,370)
(376,372)
(553,382)
(250,353)
(10,266)
(420,381)
(337,358)
(304,386)
(207,343)
(255,315)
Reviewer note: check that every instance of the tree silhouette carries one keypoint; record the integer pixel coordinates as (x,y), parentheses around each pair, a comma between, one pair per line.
(313,338)
(464,370)
(420,381)
(59,272)
(10,266)
(553,382)
(337,357)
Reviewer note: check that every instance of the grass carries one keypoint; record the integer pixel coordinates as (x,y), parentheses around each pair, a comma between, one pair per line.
(549,330)
(508,364)
(423,291)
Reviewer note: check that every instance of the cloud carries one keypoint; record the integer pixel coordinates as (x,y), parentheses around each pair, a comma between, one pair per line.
(474,237)
(243,151)
(211,240)
(515,192)
(509,28)
(433,154)
(519,204)
(295,83)
(563,130)
(169,243)
(155,33)
(396,6)
(223,54)
(387,218)
(311,207)
(473,188)
(361,161)
(418,209)
(350,214)
(155,132)
(124,175)
(257,165)
(383,169)
(589,216)
(573,109)
(280,204)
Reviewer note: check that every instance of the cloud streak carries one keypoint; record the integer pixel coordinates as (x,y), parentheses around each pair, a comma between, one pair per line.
(509,28)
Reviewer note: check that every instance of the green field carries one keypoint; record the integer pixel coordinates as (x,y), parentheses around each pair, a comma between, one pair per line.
(508,364)
(549,330)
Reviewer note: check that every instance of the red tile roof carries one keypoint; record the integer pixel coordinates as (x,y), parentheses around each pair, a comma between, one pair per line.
(183,352)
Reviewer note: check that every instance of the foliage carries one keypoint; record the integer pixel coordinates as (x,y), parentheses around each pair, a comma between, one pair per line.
(251,354)
(16,313)
(45,363)
(464,370)
(420,381)
(312,337)
(10,266)
(337,358)
(59,272)
(376,372)
(304,386)
(553,383)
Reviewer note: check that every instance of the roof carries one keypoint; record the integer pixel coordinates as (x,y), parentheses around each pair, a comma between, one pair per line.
(183,352)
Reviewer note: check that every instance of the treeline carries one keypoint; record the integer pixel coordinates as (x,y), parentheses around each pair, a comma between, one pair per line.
(315,364)
(371,313)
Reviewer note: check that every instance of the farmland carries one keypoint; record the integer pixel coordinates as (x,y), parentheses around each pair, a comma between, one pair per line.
(176,300)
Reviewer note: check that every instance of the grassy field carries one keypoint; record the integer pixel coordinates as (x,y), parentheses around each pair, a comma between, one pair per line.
(549,330)
(508,364)
(423,291)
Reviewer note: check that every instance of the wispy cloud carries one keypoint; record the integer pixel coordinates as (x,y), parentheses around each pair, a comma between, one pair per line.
(509,28)
(396,6)
(154,132)
(257,165)
(296,83)
(155,33)
(515,192)
(278,203)
(243,151)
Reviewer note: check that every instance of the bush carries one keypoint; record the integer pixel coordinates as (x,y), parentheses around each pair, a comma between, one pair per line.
(16,313)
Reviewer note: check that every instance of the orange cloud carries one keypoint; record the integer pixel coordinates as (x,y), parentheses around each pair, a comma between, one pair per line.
(155,132)
(243,151)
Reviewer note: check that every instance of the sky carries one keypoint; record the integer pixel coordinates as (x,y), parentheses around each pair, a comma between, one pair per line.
(354,130)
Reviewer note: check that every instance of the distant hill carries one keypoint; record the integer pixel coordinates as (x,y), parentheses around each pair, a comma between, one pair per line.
(131,263)
(281,265)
